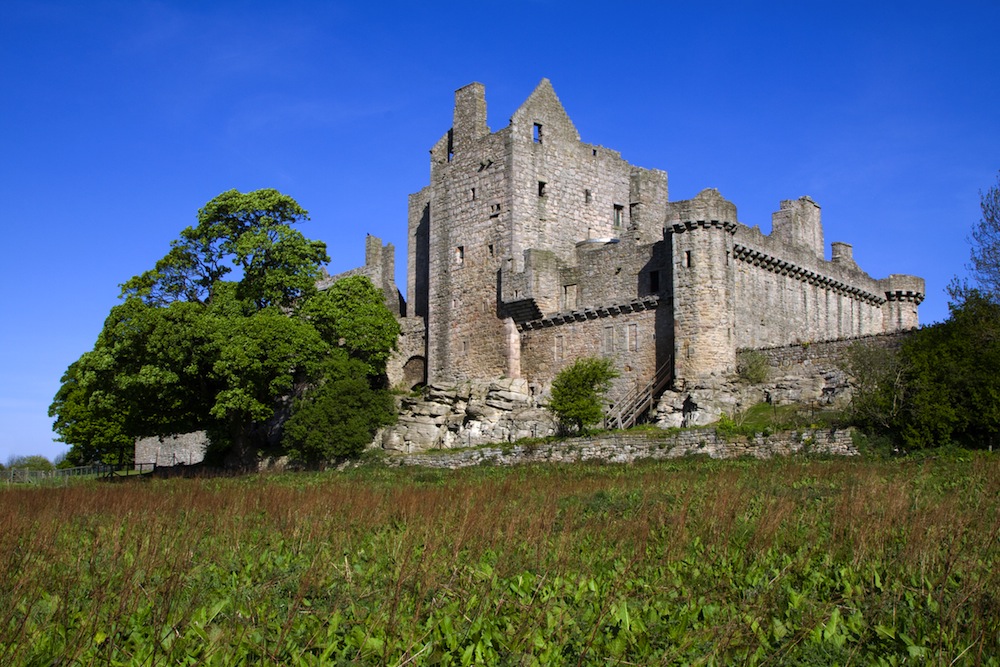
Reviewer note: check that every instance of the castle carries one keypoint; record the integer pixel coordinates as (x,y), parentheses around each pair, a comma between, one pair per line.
(530,248)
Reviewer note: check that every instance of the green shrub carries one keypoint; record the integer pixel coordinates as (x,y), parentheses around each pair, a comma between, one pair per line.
(577,393)
(752,366)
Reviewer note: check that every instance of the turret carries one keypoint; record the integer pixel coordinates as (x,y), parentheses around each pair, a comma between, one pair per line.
(700,232)
(903,294)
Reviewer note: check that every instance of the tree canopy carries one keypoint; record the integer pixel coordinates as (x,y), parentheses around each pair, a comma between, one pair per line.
(223,334)
(942,386)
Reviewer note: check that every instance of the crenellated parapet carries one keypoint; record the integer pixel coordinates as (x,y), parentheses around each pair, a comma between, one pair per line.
(648,302)
(805,275)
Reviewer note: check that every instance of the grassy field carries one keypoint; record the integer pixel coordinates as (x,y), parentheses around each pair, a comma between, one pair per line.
(804,562)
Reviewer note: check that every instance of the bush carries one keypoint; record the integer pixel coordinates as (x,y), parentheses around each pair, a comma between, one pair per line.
(752,366)
(339,417)
(577,393)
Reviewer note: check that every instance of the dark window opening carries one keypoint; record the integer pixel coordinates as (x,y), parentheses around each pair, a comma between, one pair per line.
(460,254)
(587,196)
(494,210)
(595,152)
(687,258)
(473,193)
(490,247)
(537,133)
(541,188)
(654,281)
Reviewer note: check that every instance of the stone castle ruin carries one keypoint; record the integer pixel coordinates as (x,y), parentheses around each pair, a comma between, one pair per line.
(529,249)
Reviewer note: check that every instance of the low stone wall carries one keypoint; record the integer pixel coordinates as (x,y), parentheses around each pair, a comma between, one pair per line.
(182,449)
(828,353)
(628,447)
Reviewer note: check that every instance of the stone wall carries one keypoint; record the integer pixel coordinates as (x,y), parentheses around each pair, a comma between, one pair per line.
(826,354)
(172,450)
(628,447)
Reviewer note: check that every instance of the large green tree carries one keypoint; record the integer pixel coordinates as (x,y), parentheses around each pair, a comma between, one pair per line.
(222,334)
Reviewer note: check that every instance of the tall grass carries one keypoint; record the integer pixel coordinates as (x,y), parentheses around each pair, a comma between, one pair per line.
(777,562)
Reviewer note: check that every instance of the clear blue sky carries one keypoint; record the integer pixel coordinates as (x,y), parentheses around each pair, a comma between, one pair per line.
(120,119)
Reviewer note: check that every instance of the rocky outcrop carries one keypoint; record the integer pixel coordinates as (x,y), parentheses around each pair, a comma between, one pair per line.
(470,414)
(796,375)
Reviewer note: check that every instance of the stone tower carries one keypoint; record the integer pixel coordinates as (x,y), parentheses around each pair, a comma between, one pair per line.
(701,239)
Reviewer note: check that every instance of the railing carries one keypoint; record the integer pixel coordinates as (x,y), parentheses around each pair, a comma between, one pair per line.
(627,410)
(62,475)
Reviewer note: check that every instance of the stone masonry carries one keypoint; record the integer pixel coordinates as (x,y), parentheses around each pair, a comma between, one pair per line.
(530,248)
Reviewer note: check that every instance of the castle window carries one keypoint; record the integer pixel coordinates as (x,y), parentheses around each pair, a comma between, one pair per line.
(465,346)
(541,188)
(619,215)
(654,281)
(537,133)
(460,254)
(473,193)
(609,340)
(490,248)
(587,196)
(687,258)
(569,298)
(494,210)
(595,152)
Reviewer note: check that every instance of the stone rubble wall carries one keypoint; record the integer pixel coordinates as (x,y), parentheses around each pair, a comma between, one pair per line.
(172,450)
(628,448)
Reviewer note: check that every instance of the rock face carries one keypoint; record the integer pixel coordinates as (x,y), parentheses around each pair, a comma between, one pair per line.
(470,414)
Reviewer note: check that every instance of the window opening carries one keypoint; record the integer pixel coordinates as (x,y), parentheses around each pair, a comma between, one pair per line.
(587,196)
(541,188)
(460,254)
(473,193)
(537,133)
(490,248)
(619,214)
(609,339)
(687,258)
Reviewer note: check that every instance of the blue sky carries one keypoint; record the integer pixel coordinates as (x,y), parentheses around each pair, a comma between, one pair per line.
(121,119)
